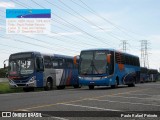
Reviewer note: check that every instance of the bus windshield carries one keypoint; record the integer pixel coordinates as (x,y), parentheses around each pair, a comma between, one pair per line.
(21,66)
(93,62)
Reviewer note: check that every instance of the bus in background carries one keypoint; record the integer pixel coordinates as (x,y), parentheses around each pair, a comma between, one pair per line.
(34,69)
(108,67)
(153,75)
(144,74)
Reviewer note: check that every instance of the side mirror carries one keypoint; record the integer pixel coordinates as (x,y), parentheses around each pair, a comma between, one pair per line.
(4,62)
(4,66)
(108,58)
(75,59)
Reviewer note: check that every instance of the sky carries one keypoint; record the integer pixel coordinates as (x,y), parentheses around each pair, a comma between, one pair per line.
(84,24)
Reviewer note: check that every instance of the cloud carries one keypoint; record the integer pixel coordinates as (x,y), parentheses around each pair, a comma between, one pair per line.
(65,34)
(7,4)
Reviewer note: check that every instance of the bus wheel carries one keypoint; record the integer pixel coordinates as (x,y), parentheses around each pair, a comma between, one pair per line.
(28,89)
(76,86)
(32,89)
(91,87)
(48,85)
(60,87)
(132,85)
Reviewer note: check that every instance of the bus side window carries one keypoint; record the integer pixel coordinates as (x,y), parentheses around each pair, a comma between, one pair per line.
(55,63)
(48,62)
(61,63)
(69,63)
(39,64)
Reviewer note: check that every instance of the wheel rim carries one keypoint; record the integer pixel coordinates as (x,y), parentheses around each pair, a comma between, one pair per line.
(48,85)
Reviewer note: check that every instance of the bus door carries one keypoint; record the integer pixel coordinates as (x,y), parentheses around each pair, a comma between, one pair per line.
(39,71)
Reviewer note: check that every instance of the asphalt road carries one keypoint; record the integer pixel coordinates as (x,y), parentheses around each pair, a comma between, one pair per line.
(102,101)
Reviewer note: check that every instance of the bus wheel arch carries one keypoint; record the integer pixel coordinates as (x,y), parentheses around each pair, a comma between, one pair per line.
(49,84)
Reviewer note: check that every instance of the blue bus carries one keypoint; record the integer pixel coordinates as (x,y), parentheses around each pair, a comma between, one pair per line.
(144,74)
(108,67)
(34,69)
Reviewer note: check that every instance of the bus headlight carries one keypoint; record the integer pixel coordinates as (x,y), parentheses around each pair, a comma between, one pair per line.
(31,82)
(105,77)
(32,79)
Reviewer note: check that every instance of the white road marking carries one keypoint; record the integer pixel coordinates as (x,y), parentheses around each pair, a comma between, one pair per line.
(143,94)
(126,102)
(151,84)
(133,97)
(90,107)
(5,94)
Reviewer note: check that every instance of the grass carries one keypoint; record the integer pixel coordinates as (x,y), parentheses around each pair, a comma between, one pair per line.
(4,88)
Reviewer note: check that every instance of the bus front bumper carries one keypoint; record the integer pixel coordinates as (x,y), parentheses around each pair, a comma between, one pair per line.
(98,81)
(30,83)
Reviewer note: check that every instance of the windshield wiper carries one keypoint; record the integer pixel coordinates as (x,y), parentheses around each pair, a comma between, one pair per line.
(93,65)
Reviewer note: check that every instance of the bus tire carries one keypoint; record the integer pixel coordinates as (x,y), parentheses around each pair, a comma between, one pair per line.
(48,85)
(91,87)
(28,89)
(76,86)
(32,89)
(61,87)
(132,84)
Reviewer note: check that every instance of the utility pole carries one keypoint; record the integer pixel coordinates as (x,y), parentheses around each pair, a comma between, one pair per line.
(144,53)
(124,45)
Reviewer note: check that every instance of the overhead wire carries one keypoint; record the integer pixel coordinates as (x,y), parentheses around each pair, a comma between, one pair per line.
(87,20)
(74,26)
(48,43)
(108,21)
(44,8)
(54,32)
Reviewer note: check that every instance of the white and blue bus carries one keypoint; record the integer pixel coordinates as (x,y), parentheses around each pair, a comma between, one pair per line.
(108,67)
(34,69)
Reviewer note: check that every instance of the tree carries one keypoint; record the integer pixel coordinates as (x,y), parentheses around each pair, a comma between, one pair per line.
(3,72)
